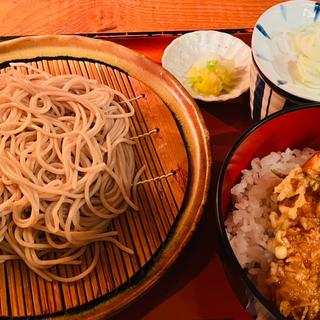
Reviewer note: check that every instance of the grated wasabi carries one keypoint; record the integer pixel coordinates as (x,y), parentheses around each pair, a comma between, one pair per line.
(212,77)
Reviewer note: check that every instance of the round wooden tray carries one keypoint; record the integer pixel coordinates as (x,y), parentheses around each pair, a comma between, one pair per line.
(177,159)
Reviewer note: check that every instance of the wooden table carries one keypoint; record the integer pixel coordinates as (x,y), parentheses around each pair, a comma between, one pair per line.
(196,286)
(26,17)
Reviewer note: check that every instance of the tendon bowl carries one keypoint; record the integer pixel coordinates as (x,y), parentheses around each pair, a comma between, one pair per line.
(294,128)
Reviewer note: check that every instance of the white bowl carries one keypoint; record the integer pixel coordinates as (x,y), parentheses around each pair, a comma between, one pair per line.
(269,35)
(191,47)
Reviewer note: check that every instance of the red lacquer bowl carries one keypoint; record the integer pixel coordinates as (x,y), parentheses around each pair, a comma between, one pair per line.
(294,128)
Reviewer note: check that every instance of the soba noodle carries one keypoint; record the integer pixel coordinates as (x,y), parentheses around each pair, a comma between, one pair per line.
(66,168)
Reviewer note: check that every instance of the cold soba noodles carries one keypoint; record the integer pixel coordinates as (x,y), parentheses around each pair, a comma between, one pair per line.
(66,168)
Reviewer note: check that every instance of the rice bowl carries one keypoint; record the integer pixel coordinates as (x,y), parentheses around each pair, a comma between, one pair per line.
(267,149)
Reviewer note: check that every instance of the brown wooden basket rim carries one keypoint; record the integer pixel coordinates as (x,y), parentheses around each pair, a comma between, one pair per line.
(186,113)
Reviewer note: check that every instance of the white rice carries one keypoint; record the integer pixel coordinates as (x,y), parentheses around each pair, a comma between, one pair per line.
(248,225)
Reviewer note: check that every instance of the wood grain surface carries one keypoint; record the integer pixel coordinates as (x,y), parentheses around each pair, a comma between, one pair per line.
(26,17)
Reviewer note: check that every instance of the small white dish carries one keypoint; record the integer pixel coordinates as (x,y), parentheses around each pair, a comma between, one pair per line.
(272,51)
(185,51)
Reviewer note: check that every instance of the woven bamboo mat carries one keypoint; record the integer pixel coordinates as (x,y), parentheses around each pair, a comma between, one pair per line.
(161,148)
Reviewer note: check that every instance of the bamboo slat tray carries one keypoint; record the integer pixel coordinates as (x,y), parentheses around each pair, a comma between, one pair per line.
(177,159)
